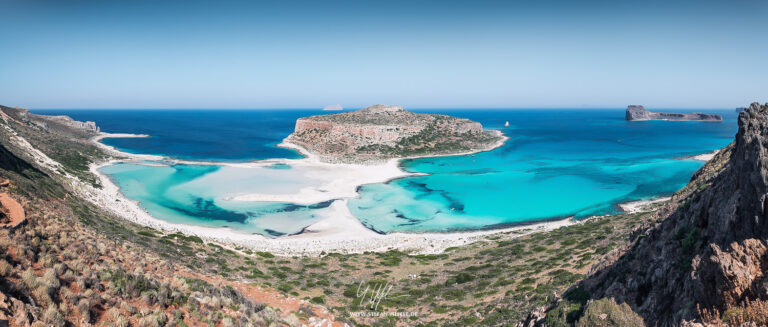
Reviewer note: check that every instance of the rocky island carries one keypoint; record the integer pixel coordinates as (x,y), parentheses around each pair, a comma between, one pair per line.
(639,113)
(382,132)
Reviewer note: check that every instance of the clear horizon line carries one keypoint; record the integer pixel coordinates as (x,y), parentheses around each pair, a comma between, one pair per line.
(407,108)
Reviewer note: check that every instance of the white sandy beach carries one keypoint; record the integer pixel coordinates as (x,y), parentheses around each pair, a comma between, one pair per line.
(337,180)
(642,205)
(701,157)
(337,230)
(705,156)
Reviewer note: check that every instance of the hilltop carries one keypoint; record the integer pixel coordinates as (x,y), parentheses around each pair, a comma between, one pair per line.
(382,132)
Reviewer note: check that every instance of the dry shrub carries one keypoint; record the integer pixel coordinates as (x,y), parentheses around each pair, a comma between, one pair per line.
(47,260)
(149,321)
(68,295)
(114,313)
(122,322)
(748,312)
(68,276)
(43,294)
(5,268)
(69,255)
(29,278)
(59,268)
(52,317)
(127,307)
(64,308)
(50,279)
(84,304)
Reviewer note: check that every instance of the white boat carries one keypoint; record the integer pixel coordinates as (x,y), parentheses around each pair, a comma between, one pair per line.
(506,124)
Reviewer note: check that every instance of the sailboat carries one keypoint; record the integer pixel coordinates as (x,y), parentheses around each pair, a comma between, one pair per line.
(506,124)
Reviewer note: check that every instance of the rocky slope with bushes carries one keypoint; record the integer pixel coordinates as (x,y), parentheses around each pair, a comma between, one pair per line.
(68,263)
(71,263)
(703,258)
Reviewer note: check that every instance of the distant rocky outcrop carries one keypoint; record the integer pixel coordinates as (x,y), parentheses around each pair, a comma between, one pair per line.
(45,122)
(639,113)
(86,125)
(382,132)
(706,252)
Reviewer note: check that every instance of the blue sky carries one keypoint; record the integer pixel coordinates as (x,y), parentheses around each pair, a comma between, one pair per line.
(421,54)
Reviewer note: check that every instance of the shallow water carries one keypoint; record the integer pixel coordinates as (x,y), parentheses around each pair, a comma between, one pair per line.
(199,195)
(557,163)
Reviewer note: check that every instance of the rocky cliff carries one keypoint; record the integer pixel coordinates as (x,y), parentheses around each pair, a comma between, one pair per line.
(706,253)
(381,132)
(639,113)
(46,123)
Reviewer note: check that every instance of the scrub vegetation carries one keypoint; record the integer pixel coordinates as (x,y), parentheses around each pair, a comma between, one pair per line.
(71,263)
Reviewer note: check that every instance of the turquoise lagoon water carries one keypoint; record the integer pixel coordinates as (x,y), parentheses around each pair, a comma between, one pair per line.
(557,163)
(197,195)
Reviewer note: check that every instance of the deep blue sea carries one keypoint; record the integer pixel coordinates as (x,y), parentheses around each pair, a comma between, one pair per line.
(557,163)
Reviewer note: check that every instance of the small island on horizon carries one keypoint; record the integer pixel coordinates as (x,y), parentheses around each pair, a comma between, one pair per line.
(381,132)
(639,113)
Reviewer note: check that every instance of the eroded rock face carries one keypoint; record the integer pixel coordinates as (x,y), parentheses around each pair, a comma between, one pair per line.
(86,125)
(710,248)
(44,122)
(381,132)
(639,113)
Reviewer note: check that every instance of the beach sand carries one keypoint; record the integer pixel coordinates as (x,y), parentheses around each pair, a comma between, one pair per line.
(337,230)
(704,156)
(642,205)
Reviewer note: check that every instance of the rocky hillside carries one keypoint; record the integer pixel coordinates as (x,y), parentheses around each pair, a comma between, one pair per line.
(382,132)
(65,262)
(639,113)
(704,257)
(69,263)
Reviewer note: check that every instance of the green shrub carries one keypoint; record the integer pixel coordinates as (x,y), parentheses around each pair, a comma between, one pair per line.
(689,241)
(285,287)
(462,278)
(605,312)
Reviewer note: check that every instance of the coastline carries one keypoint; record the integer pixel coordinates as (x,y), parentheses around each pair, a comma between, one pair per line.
(705,156)
(96,140)
(701,157)
(336,230)
(641,205)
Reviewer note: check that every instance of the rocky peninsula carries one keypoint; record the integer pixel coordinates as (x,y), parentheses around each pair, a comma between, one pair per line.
(639,113)
(381,132)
